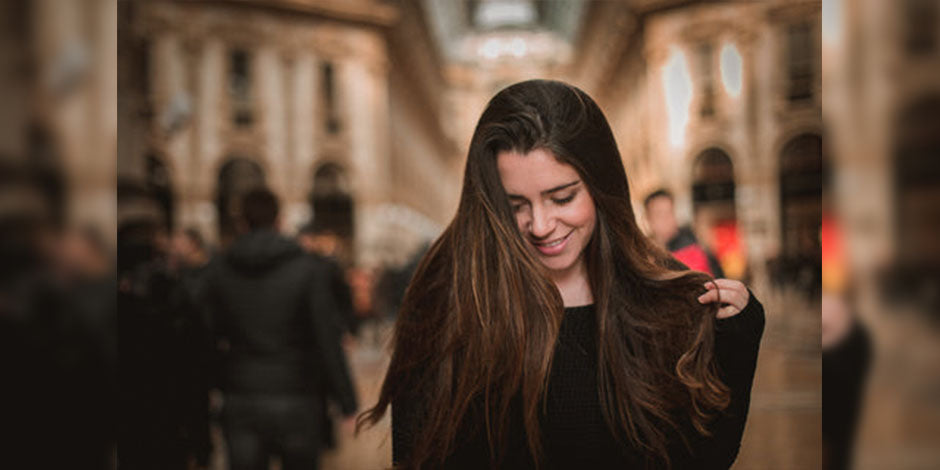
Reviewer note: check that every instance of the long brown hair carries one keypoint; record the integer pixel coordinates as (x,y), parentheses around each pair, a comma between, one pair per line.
(480,318)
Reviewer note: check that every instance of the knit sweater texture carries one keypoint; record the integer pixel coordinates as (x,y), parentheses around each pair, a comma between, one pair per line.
(574,432)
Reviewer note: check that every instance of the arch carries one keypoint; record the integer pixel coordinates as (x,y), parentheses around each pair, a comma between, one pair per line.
(331,201)
(801,173)
(916,180)
(713,208)
(236,176)
(712,176)
(330,178)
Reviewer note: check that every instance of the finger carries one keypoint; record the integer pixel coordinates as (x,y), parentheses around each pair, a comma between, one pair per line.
(728,311)
(733,297)
(726,284)
(708,297)
(731,291)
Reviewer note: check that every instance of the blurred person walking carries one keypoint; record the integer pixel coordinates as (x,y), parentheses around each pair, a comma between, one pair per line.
(846,349)
(57,331)
(189,257)
(272,316)
(322,245)
(163,346)
(659,209)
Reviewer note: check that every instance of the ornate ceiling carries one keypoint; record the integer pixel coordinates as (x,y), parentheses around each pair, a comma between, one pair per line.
(484,31)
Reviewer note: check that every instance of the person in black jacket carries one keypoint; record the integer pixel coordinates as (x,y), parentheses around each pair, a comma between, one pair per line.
(273,321)
(544,330)
(162,362)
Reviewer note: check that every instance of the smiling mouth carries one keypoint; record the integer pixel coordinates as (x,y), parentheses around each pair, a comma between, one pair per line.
(554,246)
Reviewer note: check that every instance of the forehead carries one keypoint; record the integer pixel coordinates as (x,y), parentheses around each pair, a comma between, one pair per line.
(660,203)
(533,172)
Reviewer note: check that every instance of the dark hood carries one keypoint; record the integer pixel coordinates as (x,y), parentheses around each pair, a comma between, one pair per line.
(261,250)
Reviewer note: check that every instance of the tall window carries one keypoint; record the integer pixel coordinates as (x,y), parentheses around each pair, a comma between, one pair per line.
(141,59)
(331,116)
(800,62)
(705,55)
(921,28)
(801,177)
(239,87)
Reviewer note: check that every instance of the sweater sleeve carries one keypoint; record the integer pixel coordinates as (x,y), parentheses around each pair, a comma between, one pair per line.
(322,314)
(737,340)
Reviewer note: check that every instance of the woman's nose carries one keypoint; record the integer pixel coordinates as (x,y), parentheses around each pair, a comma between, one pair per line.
(542,224)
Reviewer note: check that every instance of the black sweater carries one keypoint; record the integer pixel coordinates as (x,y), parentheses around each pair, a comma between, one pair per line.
(574,432)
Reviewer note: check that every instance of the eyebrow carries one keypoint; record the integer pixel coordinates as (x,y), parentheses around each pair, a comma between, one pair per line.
(548,191)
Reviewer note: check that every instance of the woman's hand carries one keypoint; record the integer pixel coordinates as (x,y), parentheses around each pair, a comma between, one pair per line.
(734,296)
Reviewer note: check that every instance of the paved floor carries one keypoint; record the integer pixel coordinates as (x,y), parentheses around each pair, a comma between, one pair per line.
(784,424)
(899,427)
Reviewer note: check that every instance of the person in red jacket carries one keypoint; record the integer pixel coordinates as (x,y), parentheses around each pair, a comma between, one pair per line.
(680,241)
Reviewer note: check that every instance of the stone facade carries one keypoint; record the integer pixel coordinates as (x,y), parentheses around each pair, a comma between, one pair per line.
(287,87)
(59,102)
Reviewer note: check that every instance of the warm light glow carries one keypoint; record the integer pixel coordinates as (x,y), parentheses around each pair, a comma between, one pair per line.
(731,69)
(537,46)
(677,84)
(518,47)
(490,48)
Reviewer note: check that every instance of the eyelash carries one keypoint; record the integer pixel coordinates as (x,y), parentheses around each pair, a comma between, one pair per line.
(560,202)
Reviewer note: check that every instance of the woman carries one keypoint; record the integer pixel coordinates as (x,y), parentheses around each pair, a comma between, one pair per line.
(544,330)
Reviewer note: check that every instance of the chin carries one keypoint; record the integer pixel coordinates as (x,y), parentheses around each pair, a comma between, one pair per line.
(559,265)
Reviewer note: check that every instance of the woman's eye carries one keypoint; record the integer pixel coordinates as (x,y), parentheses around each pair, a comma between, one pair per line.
(517,207)
(564,200)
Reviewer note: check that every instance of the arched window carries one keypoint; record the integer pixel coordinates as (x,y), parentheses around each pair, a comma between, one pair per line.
(331,201)
(713,209)
(917,179)
(801,177)
(712,177)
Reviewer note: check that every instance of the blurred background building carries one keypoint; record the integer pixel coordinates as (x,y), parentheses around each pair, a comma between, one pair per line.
(882,82)
(58,118)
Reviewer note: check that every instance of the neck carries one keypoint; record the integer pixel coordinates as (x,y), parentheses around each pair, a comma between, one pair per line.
(573,285)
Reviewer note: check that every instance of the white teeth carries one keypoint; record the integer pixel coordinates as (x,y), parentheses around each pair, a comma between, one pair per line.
(551,244)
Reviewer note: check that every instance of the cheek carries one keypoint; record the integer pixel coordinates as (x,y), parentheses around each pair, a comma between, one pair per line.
(583,215)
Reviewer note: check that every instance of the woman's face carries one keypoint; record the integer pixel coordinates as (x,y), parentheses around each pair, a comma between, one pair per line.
(553,207)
